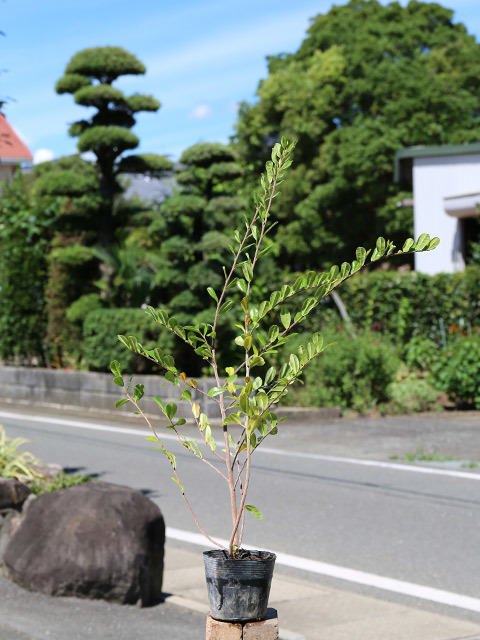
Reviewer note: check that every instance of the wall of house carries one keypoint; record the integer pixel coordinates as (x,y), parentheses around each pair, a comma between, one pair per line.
(433,180)
(7,171)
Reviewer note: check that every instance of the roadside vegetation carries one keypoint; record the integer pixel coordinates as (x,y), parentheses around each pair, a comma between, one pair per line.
(79,262)
(22,465)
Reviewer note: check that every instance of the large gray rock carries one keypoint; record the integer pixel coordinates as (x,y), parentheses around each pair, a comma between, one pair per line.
(95,540)
(13,493)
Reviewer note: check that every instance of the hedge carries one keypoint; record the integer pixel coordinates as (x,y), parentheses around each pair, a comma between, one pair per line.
(405,305)
(101,345)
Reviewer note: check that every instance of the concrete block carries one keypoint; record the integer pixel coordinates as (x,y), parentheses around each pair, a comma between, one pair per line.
(264,629)
(217,630)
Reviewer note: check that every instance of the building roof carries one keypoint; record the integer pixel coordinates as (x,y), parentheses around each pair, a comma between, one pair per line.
(404,157)
(147,188)
(12,148)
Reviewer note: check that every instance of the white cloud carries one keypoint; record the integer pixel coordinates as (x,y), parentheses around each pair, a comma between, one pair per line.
(42,155)
(200,112)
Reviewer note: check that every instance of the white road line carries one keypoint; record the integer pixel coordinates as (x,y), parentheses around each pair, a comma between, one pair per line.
(350,575)
(293,454)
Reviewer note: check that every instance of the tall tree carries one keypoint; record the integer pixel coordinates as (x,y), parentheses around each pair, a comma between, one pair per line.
(89,76)
(89,226)
(191,243)
(367,80)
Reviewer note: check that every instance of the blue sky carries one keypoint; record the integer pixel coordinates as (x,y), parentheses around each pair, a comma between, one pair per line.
(202,58)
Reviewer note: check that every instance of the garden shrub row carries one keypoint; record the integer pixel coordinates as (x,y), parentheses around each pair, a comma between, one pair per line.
(409,304)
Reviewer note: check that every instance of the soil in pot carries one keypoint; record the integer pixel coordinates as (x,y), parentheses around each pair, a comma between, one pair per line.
(238,588)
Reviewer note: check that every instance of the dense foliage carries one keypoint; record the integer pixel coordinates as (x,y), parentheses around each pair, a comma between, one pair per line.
(24,233)
(367,81)
(107,133)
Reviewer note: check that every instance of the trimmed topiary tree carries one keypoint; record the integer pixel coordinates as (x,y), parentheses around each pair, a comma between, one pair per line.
(107,133)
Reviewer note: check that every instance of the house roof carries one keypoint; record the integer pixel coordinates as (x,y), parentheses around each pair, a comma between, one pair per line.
(12,148)
(404,157)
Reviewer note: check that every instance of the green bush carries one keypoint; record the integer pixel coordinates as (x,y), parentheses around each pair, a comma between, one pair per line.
(354,374)
(61,480)
(412,394)
(457,372)
(13,462)
(101,345)
(407,305)
(420,353)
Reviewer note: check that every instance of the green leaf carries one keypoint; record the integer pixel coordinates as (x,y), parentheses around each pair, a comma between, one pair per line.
(380,245)
(121,402)
(286,318)
(434,242)
(170,409)
(138,392)
(124,341)
(178,483)
(244,402)
(256,513)
(213,294)
(158,401)
(294,363)
(408,244)
(270,375)
(422,242)
(118,381)
(115,369)
(273,333)
(225,306)
(210,440)
(170,376)
(256,361)
(180,422)
(215,391)
(247,271)
(361,255)
(203,421)
(247,343)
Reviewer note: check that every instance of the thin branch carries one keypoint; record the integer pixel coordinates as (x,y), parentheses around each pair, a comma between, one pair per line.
(202,530)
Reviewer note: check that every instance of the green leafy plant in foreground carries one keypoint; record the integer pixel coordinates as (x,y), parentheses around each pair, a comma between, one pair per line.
(246,400)
(14,463)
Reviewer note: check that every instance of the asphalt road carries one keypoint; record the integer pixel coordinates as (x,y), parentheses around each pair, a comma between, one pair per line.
(421,528)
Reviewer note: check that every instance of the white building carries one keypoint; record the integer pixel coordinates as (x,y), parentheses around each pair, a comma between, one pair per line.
(446,195)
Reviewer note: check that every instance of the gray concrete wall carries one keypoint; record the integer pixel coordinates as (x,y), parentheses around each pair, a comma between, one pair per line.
(88,391)
(92,391)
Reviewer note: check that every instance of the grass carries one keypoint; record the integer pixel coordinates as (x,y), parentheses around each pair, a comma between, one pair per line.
(422,456)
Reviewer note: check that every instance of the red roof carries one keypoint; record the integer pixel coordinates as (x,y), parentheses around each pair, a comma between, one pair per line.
(11,147)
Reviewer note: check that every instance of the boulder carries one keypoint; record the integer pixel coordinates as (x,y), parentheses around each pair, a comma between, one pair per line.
(95,540)
(13,493)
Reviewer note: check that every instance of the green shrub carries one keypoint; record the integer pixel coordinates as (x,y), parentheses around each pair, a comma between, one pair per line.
(78,310)
(410,304)
(13,462)
(100,342)
(420,353)
(412,394)
(61,480)
(354,374)
(457,372)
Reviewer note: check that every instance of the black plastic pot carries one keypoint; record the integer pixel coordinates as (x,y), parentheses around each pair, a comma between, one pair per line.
(238,590)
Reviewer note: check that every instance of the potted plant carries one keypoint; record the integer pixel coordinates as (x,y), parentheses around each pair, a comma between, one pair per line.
(238,581)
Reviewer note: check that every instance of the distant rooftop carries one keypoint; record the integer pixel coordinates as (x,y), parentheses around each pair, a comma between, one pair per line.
(404,157)
(12,148)
(147,188)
